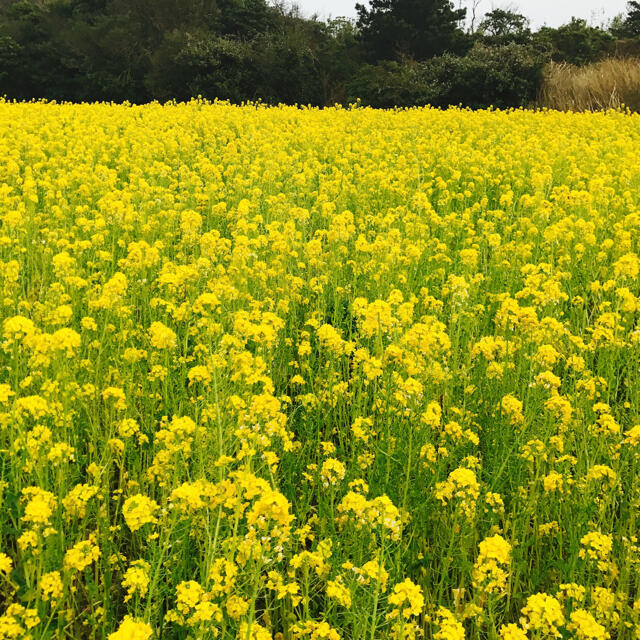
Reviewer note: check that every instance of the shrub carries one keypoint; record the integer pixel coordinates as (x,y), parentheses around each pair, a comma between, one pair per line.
(394,84)
(500,76)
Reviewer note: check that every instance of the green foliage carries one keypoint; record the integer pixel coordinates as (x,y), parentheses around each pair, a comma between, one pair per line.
(287,62)
(576,42)
(390,84)
(501,26)
(191,64)
(499,76)
(340,56)
(628,26)
(418,29)
(10,55)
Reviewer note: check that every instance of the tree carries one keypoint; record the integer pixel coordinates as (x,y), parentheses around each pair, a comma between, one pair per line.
(418,29)
(339,58)
(501,26)
(631,24)
(625,29)
(196,63)
(10,53)
(616,26)
(575,42)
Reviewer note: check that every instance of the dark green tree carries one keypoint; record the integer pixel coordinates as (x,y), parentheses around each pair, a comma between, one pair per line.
(418,29)
(340,59)
(631,23)
(185,65)
(502,26)
(575,42)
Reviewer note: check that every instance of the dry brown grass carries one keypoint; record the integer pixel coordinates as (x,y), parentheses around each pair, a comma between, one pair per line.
(608,84)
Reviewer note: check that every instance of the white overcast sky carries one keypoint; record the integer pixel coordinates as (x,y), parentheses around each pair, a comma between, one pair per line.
(550,12)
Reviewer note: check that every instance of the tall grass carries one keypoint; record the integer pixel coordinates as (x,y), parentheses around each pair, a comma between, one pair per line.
(609,84)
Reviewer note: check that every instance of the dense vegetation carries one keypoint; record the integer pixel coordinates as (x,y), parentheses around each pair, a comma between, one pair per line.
(397,52)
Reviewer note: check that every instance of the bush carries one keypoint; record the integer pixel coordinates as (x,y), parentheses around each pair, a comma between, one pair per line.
(191,64)
(392,84)
(500,76)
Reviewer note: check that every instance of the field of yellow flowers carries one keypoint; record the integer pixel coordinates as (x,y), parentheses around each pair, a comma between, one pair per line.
(296,374)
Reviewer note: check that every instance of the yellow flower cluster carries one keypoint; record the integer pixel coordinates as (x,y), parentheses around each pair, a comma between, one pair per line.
(490,571)
(407,598)
(597,546)
(130,629)
(543,615)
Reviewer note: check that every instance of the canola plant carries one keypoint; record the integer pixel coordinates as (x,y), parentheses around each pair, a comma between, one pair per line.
(298,374)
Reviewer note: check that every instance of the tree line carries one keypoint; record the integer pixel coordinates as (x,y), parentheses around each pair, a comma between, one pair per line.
(395,53)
